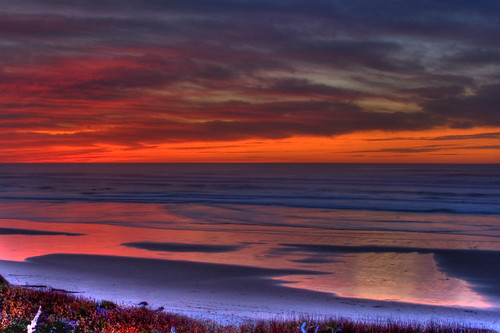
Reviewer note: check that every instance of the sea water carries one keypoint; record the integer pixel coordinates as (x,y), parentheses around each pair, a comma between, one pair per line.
(418,233)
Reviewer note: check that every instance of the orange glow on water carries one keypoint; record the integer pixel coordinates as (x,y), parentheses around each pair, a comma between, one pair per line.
(412,278)
(404,277)
(393,277)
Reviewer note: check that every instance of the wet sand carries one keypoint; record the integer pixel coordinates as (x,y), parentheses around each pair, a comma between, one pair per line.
(478,267)
(225,293)
(31,232)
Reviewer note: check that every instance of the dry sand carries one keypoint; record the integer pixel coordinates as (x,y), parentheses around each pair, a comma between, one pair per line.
(225,293)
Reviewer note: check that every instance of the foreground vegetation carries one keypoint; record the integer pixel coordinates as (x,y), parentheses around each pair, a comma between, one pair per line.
(62,312)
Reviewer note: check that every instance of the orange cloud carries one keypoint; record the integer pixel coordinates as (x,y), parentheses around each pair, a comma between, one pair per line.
(94,82)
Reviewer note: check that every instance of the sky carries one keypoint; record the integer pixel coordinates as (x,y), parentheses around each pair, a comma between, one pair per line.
(379,81)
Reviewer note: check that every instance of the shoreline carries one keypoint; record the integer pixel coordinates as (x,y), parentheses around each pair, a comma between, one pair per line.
(227,294)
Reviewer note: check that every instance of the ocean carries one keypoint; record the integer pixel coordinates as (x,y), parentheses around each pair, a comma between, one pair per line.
(412,233)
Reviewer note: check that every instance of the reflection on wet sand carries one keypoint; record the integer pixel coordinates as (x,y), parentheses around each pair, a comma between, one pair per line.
(370,270)
(391,276)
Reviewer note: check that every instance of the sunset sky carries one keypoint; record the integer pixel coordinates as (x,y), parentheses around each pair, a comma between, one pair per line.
(250,81)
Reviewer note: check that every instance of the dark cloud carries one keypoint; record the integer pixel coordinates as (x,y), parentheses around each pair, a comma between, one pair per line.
(489,135)
(431,148)
(476,57)
(346,54)
(137,73)
(478,109)
(435,92)
(412,149)
(29,27)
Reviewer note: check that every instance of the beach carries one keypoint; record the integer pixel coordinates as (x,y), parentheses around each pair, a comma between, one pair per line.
(239,161)
(224,293)
(236,243)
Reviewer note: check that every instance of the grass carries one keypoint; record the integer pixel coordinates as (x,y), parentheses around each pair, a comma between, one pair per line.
(68,313)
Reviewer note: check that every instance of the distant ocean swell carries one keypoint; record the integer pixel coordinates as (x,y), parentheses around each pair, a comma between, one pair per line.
(457,189)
